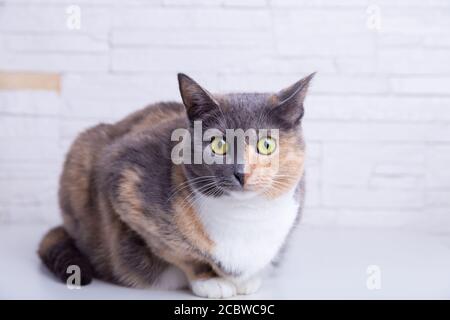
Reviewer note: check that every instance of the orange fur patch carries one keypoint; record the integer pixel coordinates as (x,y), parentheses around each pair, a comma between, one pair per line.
(130,203)
(278,172)
(186,218)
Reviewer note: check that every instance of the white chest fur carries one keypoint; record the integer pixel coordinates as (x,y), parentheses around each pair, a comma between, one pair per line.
(247,233)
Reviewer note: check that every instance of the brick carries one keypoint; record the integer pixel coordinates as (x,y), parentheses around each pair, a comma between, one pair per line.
(204,38)
(136,89)
(322,84)
(314,152)
(391,132)
(191,3)
(24,102)
(100,3)
(307,3)
(399,40)
(437,41)
(418,3)
(67,42)
(319,217)
(414,61)
(401,169)
(358,165)
(377,108)
(29,149)
(32,127)
(397,182)
(323,45)
(437,161)
(357,65)
(53,62)
(194,18)
(27,202)
(29,171)
(173,60)
(436,220)
(367,84)
(234,82)
(414,20)
(423,85)
(292,66)
(340,32)
(29,81)
(350,21)
(102,110)
(380,218)
(438,198)
(245,3)
(372,198)
(313,185)
(38,18)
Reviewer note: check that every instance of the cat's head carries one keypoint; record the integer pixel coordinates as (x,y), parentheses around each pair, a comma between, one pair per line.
(266,155)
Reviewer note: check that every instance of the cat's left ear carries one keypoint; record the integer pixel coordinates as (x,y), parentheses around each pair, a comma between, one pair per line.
(198,101)
(289,102)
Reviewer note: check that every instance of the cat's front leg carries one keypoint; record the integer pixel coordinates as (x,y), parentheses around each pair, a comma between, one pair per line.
(247,285)
(215,287)
(205,282)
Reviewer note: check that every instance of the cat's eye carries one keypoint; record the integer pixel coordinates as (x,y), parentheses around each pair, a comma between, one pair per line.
(266,146)
(219,145)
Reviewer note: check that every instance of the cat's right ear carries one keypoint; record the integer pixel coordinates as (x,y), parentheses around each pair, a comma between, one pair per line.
(198,101)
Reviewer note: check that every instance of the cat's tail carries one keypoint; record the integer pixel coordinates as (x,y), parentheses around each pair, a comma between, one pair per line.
(58,252)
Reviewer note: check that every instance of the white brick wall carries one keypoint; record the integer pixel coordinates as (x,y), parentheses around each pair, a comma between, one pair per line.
(377,119)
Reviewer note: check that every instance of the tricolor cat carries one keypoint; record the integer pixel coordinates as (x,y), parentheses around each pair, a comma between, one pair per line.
(134,216)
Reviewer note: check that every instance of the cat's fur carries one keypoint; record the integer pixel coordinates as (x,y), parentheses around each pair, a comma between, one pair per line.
(133,217)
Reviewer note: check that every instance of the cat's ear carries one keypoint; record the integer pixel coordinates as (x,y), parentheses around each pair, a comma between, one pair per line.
(198,101)
(289,102)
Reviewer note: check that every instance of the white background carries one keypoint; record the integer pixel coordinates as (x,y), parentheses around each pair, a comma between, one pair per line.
(377,119)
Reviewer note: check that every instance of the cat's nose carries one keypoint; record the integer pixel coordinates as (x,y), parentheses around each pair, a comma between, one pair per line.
(239,177)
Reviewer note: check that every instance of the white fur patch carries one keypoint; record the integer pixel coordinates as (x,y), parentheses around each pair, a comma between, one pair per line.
(247,232)
(249,286)
(213,288)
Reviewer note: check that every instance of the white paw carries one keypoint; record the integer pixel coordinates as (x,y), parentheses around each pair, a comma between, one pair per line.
(213,288)
(249,286)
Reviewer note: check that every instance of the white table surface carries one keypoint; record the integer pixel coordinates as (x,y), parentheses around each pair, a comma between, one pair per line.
(321,263)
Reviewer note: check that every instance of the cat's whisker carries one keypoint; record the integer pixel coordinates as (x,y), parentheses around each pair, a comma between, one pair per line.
(280,184)
(276,187)
(188,183)
(188,200)
(215,191)
(193,180)
(201,199)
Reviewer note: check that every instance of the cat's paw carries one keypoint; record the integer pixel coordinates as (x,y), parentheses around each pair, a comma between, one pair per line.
(249,286)
(215,288)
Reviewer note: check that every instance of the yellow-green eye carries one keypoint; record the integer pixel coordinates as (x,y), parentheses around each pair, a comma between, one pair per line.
(219,146)
(266,146)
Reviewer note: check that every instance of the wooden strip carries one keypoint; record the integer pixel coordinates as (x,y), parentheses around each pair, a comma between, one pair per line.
(30,81)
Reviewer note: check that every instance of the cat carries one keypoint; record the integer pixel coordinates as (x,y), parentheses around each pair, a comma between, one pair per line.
(133,217)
